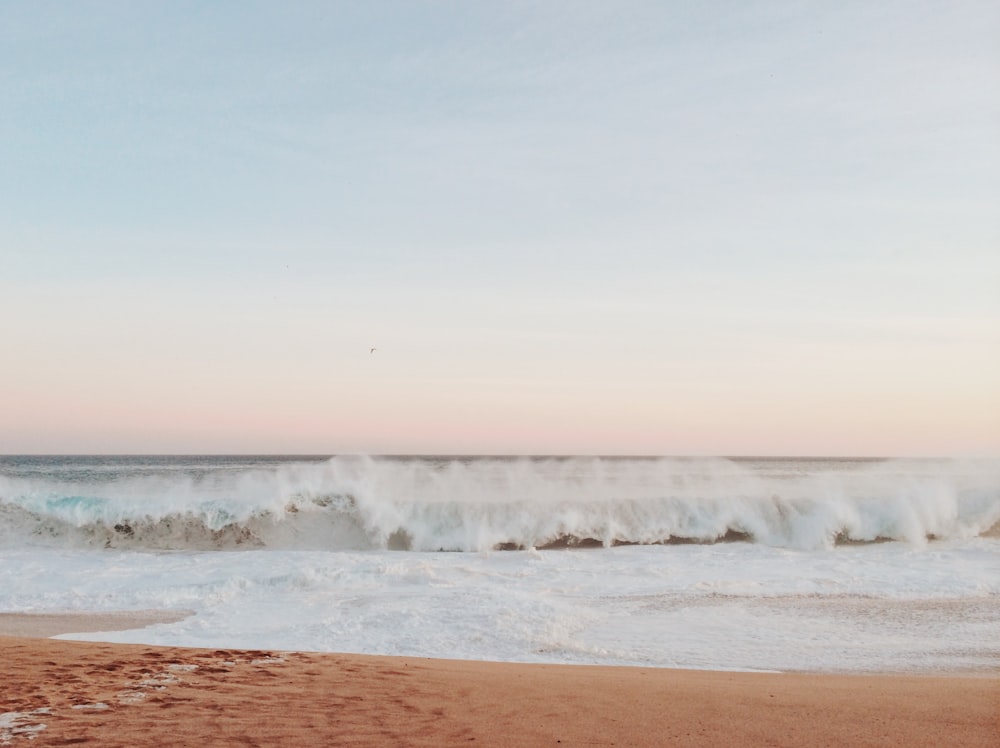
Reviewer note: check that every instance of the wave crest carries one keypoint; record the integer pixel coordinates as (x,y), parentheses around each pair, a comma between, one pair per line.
(355,503)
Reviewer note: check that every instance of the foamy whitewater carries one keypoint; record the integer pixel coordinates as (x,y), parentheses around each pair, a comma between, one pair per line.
(791,564)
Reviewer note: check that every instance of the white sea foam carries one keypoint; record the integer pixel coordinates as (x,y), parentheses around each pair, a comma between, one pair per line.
(353,503)
(793,599)
(870,607)
(21,725)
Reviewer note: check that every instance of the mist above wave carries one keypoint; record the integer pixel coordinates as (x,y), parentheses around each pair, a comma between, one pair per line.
(473,505)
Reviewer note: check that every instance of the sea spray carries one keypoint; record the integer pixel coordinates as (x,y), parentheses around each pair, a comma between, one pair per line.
(809,586)
(478,504)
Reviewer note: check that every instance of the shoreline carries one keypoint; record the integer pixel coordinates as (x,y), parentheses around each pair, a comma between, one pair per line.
(57,623)
(59,691)
(62,625)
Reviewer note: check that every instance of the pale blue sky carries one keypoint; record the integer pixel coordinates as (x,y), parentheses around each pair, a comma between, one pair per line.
(574,226)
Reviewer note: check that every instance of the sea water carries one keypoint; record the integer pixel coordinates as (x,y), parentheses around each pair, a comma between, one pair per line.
(748,564)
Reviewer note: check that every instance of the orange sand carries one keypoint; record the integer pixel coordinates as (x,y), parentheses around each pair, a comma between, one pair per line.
(134,695)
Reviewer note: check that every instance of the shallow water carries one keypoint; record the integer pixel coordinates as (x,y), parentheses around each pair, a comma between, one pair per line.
(298,554)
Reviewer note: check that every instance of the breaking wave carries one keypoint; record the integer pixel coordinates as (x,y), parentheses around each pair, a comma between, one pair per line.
(466,504)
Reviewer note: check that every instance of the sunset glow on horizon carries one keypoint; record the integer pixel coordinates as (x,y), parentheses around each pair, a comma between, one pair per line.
(644,228)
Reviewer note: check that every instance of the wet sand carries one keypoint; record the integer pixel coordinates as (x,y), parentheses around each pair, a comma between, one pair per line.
(54,624)
(57,692)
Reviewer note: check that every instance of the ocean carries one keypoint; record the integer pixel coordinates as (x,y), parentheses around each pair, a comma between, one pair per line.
(830,565)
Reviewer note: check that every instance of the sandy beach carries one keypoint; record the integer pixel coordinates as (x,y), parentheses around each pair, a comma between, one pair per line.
(58,692)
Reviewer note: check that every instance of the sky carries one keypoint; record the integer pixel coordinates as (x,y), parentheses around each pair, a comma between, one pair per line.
(737,228)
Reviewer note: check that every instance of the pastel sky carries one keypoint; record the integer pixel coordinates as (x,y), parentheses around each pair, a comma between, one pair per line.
(744,227)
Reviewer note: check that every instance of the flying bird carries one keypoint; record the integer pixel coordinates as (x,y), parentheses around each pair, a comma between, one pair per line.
(371,351)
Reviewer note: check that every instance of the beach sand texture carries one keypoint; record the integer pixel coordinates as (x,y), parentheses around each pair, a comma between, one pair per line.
(56,692)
